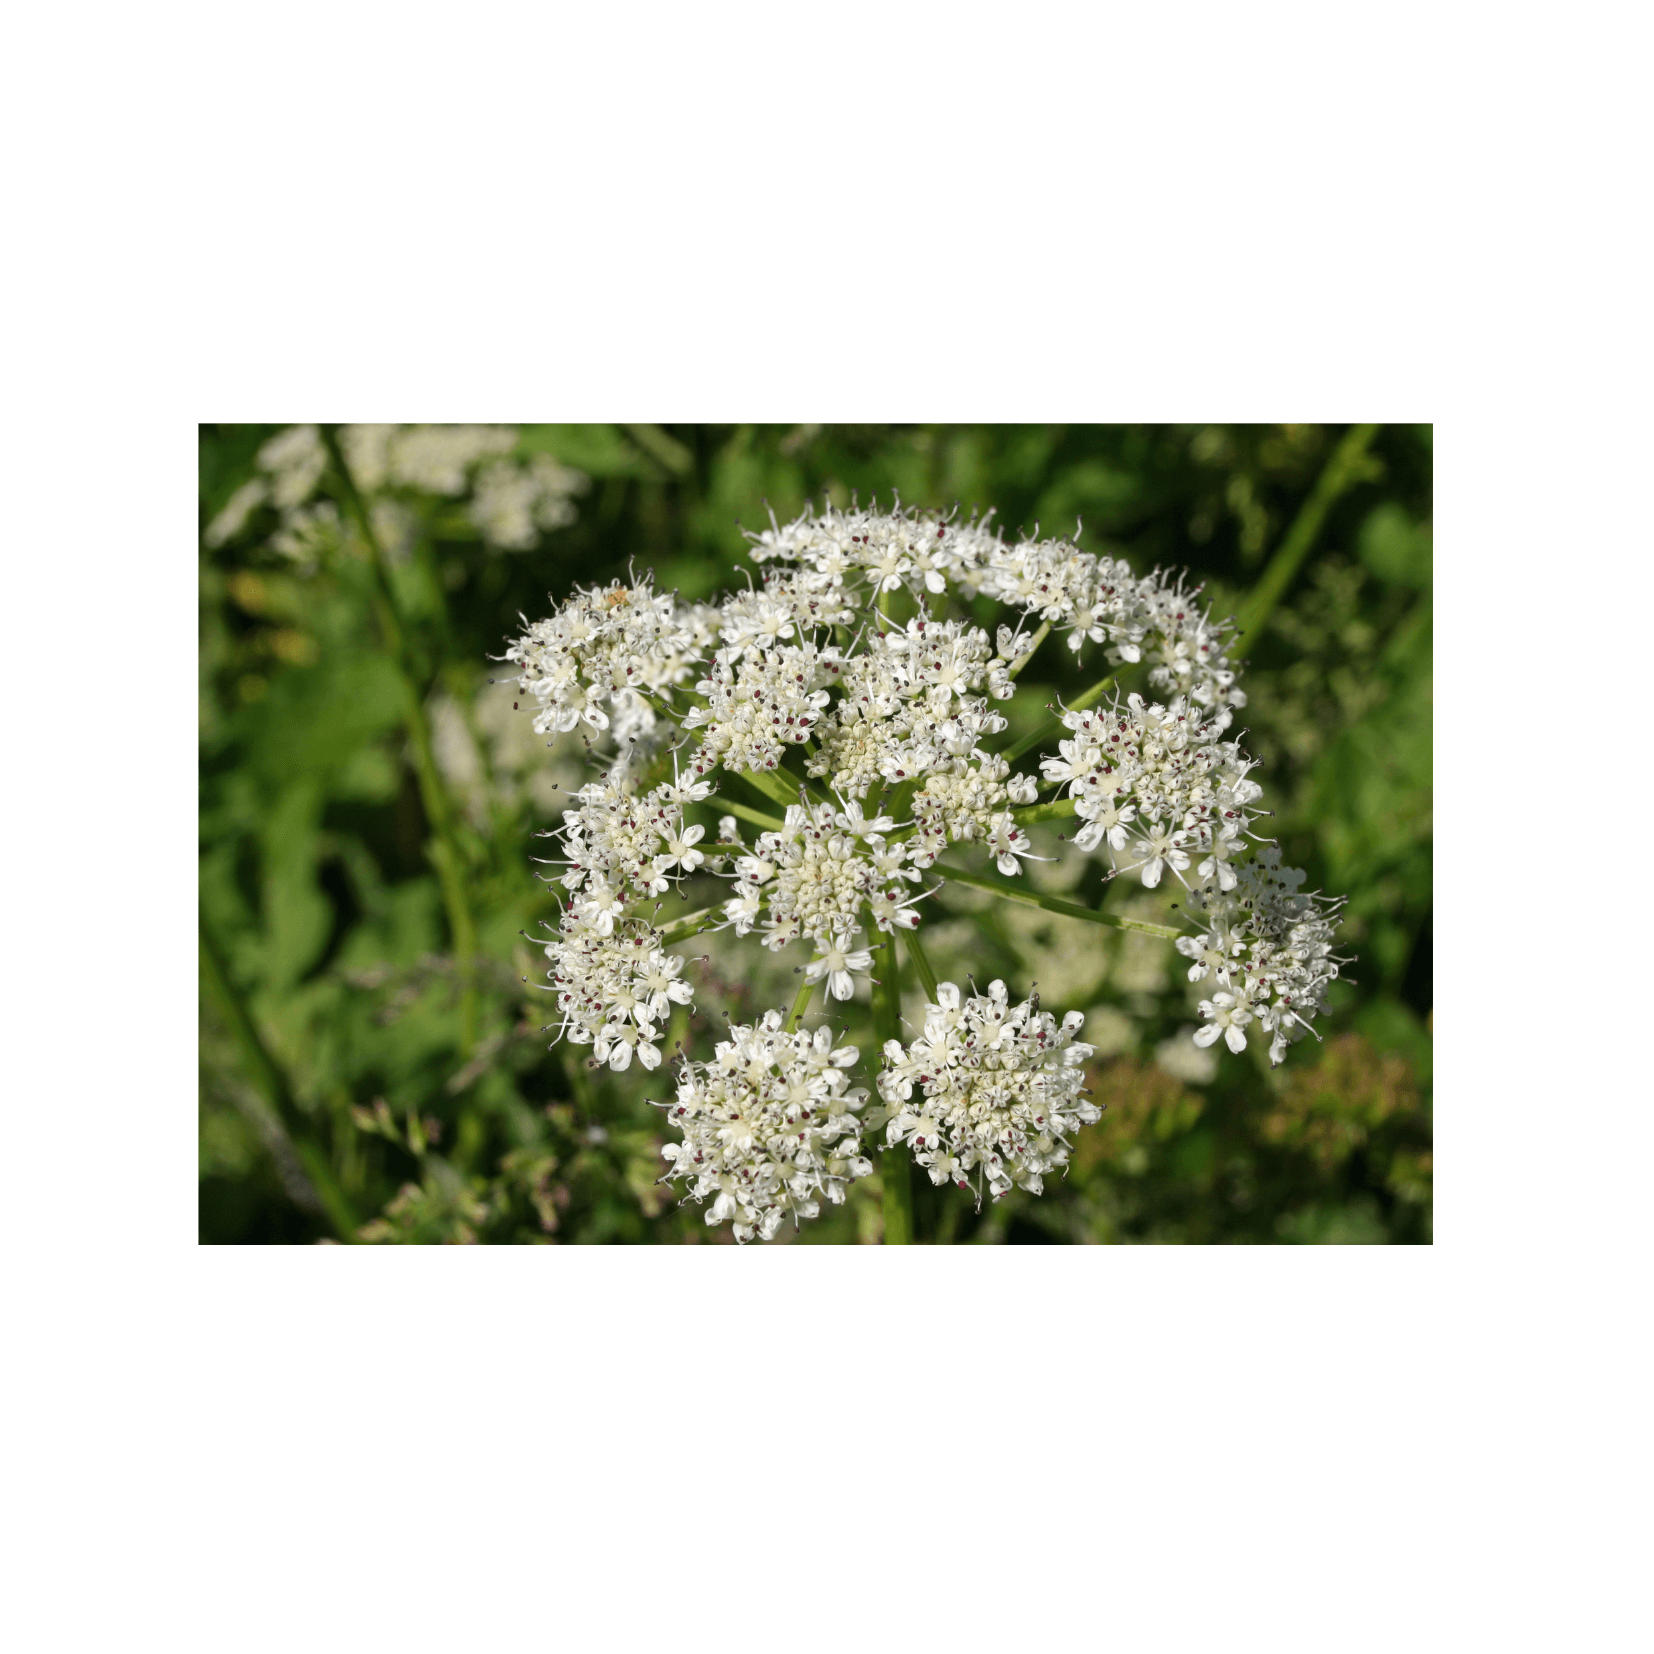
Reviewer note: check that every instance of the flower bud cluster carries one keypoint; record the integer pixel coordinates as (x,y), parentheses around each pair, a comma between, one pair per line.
(769,1126)
(970,801)
(1001,1090)
(1269,947)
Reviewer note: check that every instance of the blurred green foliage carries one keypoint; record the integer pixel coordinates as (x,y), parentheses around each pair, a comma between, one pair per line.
(360,1081)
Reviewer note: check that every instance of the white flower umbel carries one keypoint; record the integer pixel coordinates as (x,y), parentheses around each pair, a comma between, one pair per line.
(769,1127)
(1270,948)
(1001,1090)
(605,650)
(803,686)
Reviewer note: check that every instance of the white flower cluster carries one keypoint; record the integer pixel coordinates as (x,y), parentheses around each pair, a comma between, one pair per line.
(769,1126)
(1270,948)
(883,550)
(430,459)
(817,875)
(1161,790)
(907,705)
(1158,785)
(606,654)
(614,982)
(512,502)
(290,465)
(804,679)
(1002,1090)
(1145,618)
(513,505)
(759,703)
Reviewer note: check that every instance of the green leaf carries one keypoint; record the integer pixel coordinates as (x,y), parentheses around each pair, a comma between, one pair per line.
(1394,547)
(598,450)
(297,916)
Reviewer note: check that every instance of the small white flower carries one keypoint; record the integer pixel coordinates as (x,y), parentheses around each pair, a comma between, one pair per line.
(1109,821)
(1078,760)
(836,962)
(1228,1017)
(1162,848)
(680,851)
(1212,952)
(1006,842)
(617,1042)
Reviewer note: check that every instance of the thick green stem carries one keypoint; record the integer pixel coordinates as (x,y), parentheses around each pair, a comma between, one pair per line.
(921,962)
(272,1083)
(781,785)
(770,824)
(1021,892)
(800,1005)
(691,924)
(1347,466)
(444,851)
(895,1170)
(1051,810)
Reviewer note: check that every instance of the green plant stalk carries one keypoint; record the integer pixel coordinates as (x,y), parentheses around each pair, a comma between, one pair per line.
(691,924)
(445,851)
(1346,466)
(663,448)
(1052,904)
(896,804)
(771,824)
(800,1005)
(895,1170)
(780,785)
(1054,725)
(1048,811)
(272,1083)
(921,962)
(1028,654)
